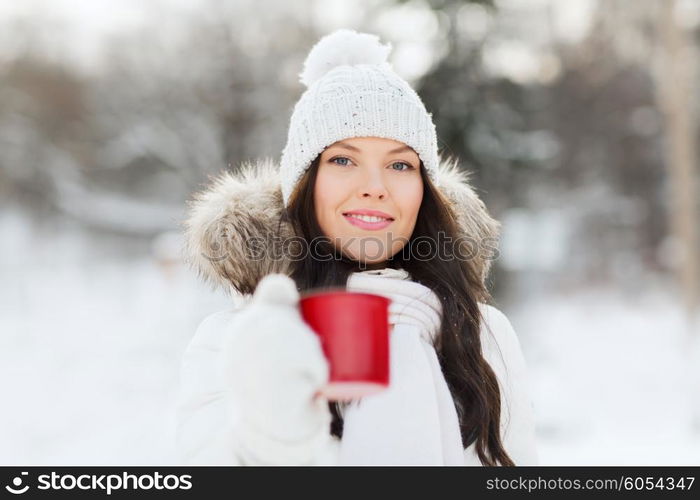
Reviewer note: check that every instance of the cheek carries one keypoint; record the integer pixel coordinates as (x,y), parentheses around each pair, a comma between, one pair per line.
(409,197)
(329,195)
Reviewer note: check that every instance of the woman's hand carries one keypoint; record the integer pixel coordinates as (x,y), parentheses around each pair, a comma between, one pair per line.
(274,365)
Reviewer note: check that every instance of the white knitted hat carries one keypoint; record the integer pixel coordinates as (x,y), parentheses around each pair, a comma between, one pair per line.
(353,92)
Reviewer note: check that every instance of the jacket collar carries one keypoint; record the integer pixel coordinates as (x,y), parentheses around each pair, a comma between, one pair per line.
(238,208)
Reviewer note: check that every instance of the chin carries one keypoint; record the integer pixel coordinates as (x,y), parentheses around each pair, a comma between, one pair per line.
(369,251)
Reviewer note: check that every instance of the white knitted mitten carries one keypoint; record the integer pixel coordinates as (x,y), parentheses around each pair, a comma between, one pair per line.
(274,366)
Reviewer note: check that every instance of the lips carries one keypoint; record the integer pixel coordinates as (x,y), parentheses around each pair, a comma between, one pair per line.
(371,220)
(370,213)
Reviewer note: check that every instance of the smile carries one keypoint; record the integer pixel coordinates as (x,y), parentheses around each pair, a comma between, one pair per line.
(371,222)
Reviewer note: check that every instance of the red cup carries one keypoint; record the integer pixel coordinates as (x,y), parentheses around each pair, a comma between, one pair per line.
(354,332)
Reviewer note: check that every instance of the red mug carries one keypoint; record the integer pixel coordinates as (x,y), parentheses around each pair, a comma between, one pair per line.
(354,331)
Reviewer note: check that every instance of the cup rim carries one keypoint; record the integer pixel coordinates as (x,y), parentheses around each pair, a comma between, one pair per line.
(324,293)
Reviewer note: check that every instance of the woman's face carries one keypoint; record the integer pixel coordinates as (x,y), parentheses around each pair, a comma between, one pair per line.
(369,178)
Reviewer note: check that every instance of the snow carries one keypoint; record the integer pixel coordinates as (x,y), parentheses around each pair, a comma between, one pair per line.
(90,349)
(614,378)
(92,331)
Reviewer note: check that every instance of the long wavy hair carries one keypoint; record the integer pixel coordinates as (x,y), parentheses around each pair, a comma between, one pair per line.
(456,283)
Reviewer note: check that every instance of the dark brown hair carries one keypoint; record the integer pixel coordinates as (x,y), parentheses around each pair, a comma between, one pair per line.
(456,283)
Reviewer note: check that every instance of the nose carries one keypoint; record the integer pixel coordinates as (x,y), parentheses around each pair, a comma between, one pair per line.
(372,185)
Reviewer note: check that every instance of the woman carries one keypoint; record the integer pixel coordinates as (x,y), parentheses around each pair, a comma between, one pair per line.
(361,199)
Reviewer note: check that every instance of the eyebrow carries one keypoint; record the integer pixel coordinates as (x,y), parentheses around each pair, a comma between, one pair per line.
(400,149)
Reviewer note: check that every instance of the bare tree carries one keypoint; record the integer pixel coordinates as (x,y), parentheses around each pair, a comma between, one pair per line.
(675,75)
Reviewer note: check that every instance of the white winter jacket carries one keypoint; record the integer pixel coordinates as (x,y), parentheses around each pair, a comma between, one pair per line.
(237,209)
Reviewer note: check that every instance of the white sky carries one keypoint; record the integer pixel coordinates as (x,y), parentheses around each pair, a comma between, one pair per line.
(75,31)
(79,28)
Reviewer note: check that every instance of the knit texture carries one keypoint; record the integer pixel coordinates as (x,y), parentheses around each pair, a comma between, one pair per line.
(353,92)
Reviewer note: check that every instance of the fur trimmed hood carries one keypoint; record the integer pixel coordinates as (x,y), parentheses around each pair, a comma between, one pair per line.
(241,207)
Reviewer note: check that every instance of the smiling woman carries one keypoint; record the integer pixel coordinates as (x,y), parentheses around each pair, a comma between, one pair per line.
(363,203)
(361,184)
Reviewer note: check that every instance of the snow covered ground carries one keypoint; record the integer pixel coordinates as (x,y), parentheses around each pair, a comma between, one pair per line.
(614,378)
(90,345)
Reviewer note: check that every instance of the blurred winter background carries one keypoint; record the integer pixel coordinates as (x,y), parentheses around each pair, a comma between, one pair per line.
(578,120)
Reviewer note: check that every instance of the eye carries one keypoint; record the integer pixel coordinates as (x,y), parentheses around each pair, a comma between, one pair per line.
(332,160)
(408,166)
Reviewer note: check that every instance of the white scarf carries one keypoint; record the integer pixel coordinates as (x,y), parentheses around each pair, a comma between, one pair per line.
(414,420)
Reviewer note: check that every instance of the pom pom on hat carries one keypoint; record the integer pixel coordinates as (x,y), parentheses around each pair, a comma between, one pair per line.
(342,47)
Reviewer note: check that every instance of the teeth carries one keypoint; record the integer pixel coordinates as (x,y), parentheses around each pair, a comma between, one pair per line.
(367,218)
